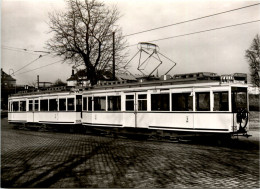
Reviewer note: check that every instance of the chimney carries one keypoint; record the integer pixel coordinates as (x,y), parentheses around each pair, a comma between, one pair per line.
(72,72)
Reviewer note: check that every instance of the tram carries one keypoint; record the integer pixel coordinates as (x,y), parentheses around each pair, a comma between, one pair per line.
(46,107)
(203,103)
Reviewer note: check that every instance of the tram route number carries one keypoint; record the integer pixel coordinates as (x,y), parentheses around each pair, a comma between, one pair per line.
(78,121)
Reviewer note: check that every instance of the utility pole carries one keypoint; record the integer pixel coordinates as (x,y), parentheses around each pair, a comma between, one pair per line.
(114,64)
(38,82)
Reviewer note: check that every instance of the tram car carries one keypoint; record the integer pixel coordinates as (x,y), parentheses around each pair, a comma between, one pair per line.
(46,108)
(203,103)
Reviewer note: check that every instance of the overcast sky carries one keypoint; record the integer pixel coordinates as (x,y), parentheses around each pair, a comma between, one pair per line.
(24,26)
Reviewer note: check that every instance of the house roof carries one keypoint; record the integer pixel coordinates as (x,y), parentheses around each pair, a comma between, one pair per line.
(6,77)
(73,78)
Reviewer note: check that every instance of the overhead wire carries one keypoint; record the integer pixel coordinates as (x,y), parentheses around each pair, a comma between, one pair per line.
(178,23)
(203,31)
(16,50)
(182,22)
(41,67)
(24,49)
(191,20)
(29,63)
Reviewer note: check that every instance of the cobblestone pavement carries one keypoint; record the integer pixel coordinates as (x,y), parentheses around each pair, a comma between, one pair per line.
(48,159)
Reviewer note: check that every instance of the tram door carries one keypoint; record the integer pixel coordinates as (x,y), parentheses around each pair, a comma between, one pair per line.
(30,110)
(130,114)
(79,104)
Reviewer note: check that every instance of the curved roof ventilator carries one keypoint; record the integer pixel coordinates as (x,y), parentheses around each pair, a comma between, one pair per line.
(152,51)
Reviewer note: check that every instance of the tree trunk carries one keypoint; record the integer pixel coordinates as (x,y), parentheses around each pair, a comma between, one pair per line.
(91,74)
(91,71)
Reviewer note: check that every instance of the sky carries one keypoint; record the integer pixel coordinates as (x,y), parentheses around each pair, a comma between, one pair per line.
(24,26)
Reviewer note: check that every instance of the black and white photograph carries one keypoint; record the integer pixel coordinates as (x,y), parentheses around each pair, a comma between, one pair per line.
(130,94)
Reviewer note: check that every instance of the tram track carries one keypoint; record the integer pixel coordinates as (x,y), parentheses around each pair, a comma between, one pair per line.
(191,143)
(121,161)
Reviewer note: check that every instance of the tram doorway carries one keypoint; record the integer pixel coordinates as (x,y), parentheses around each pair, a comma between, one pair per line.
(79,104)
(135,109)
(130,114)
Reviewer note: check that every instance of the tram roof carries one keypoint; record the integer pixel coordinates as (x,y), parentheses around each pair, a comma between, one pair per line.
(187,80)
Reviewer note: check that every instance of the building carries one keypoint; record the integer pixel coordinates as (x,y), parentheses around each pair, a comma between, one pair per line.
(8,86)
(7,81)
(72,81)
(78,79)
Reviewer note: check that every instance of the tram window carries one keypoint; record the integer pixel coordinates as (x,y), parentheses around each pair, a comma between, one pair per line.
(44,105)
(16,106)
(129,103)
(160,102)
(182,102)
(84,103)
(220,101)
(114,103)
(142,102)
(203,101)
(53,105)
(89,103)
(100,103)
(239,98)
(22,105)
(30,105)
(62,104)
(36,105)
(70,102)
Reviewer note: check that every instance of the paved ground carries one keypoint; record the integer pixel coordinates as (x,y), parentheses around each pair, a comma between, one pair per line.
(48,159)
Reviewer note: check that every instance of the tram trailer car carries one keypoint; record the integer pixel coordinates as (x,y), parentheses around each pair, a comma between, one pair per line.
(190,105)
(46,108)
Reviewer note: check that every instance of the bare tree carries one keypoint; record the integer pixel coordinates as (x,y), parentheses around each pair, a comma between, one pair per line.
(59,82)
(253,58)
(33,84)
(83,34)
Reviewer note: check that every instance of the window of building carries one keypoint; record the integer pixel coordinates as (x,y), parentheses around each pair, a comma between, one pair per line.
(220,101)
(85,103)
(71,105)
(89,103)
(203,101)
(15,106)
(160,102)
(30,105)
(129,103)
(182,102)
(53,103)
(22,105)
(114,103)
(100,103)
(44,105)
(62,104)
(142,102)
(36,105)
